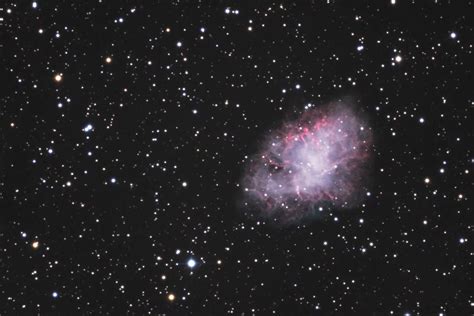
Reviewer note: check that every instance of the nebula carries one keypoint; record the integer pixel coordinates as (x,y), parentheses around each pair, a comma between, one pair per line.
(316,161)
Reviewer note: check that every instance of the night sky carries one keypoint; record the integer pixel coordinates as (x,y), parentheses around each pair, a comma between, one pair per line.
(147,163)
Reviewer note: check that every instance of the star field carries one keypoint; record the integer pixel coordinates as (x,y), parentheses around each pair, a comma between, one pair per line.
(127,129)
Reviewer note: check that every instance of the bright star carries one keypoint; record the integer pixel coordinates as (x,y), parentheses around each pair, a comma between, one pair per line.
(191,263)
(88,128)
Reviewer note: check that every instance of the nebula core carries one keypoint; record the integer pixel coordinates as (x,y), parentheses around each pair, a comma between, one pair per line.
(317,160)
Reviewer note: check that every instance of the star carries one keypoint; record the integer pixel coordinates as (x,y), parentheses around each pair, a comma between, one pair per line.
(88,128)
(191,263)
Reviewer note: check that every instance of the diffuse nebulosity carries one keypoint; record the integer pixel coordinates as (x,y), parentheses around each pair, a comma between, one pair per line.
(318,159)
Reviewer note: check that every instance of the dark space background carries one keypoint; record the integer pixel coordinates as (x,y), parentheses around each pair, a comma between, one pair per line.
(105,219)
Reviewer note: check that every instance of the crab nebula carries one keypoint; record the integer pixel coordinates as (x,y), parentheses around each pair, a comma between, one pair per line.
(315,162)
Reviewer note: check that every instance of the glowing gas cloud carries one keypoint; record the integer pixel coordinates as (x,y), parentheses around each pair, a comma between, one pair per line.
(319,159)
